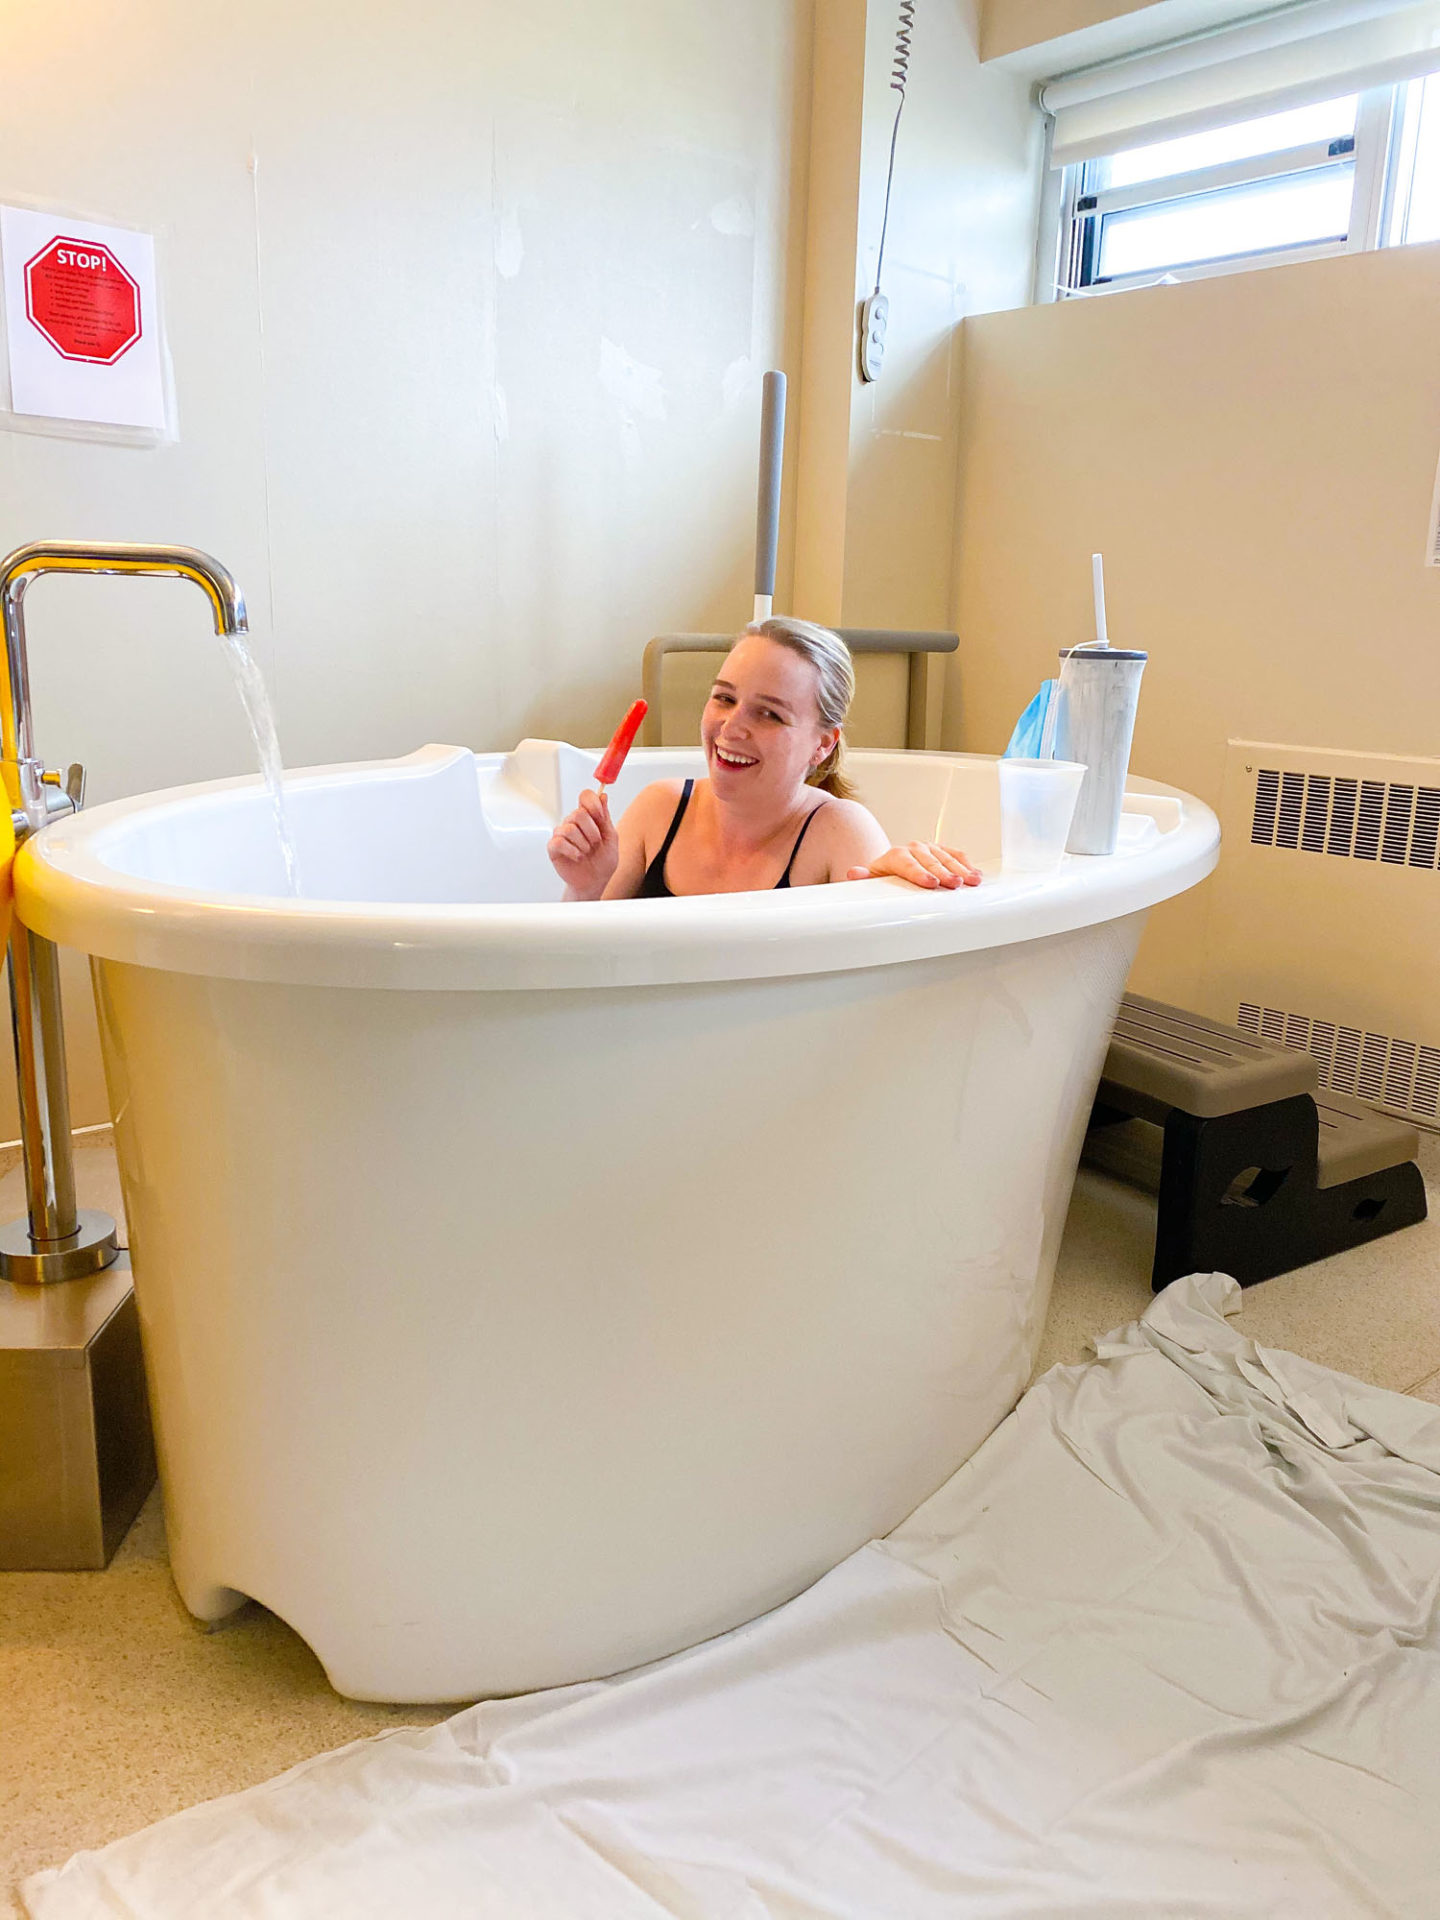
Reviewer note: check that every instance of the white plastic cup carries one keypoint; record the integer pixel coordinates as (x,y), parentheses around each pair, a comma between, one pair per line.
(1037,804)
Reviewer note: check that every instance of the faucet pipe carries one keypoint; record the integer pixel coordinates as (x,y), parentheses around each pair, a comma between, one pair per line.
(58,1241)
(227,606)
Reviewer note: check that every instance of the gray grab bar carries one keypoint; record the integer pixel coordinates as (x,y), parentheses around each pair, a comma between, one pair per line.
(767,510)
(926,651)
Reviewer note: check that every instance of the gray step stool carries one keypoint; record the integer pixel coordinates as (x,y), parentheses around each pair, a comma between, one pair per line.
(1257,1170)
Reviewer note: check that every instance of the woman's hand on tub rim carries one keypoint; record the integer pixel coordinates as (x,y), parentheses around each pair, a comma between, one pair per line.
(585,848)
(923,863)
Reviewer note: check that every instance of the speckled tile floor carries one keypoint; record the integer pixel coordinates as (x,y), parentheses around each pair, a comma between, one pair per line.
(116,1708)
(1374,1312)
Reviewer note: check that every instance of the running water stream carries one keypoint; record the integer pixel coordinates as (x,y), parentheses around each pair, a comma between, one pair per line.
(250,684)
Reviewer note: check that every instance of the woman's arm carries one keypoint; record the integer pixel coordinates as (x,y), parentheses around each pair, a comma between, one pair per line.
(642,826)
(854,846)
(584,849)
(599,860)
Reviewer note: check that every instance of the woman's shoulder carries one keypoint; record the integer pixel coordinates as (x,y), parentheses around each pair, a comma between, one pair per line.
(655,804)
(846,809)
(843,817)
(660,793)
(844,834)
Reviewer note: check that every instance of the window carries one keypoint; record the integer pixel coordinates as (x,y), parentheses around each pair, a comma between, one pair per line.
(1348,174)
(1415,169)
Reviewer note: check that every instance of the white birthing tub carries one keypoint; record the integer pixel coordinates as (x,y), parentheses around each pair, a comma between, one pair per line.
(529,1290)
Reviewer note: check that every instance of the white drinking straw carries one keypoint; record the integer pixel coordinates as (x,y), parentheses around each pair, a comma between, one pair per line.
(1097,569)
(1052,717)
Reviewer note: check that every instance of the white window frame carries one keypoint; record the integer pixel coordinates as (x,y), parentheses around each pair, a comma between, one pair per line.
(1410,107)
(1073,210)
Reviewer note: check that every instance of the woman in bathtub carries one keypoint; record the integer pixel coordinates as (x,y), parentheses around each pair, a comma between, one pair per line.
(775,810)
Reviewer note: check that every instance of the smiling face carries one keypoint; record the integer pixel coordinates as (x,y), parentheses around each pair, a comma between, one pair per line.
(761,728)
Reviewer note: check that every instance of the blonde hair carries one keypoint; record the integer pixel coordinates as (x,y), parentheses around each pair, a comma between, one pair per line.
(835,689)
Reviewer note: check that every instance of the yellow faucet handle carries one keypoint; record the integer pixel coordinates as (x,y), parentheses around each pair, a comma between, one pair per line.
(7,860)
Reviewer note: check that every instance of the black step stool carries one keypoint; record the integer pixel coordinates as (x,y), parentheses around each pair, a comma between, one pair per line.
(1257,1170)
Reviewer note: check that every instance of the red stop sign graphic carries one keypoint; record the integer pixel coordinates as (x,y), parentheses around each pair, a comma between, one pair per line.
(82,300)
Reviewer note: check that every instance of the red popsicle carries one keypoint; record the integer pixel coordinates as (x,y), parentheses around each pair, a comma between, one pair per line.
(613,758)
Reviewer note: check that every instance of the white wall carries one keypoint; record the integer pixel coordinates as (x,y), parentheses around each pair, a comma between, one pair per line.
(468,307)
(960,242)
(877,463)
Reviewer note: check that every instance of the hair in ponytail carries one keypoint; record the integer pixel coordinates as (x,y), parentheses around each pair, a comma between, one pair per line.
(835,689)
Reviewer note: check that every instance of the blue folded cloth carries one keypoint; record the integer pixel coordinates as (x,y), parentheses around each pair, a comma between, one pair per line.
(1025,741)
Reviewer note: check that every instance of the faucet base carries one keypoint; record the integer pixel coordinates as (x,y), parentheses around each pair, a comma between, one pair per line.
(92,1247)
(76,1453)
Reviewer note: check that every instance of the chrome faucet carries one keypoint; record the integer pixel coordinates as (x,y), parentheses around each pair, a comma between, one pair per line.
(57,1241)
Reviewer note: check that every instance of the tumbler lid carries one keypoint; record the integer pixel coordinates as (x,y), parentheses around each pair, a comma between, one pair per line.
(1104,653)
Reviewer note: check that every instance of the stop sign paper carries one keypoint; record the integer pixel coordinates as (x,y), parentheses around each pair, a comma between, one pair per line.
(80,321)
(82,300)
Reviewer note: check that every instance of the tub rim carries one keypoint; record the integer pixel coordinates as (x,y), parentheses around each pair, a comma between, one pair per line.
(66,892)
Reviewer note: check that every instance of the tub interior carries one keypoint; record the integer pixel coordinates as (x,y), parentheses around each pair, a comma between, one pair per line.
(445,825)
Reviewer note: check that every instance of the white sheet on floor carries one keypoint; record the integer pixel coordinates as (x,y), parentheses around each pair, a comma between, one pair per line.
(1167,1646)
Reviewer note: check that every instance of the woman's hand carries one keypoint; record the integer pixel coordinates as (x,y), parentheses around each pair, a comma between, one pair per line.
(923,864)
(585,848)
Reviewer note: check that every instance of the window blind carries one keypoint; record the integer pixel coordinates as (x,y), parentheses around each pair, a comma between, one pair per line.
(1286,57)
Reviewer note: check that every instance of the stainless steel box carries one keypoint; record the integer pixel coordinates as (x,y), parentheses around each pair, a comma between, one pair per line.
(76,1453)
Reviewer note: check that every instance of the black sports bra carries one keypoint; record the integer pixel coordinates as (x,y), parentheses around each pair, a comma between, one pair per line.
(653,886)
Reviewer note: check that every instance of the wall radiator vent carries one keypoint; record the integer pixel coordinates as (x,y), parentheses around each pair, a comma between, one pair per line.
(1403,1075)
(1356,819)
(1322,922)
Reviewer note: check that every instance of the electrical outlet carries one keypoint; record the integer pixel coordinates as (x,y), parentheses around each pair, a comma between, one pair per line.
(874,318)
